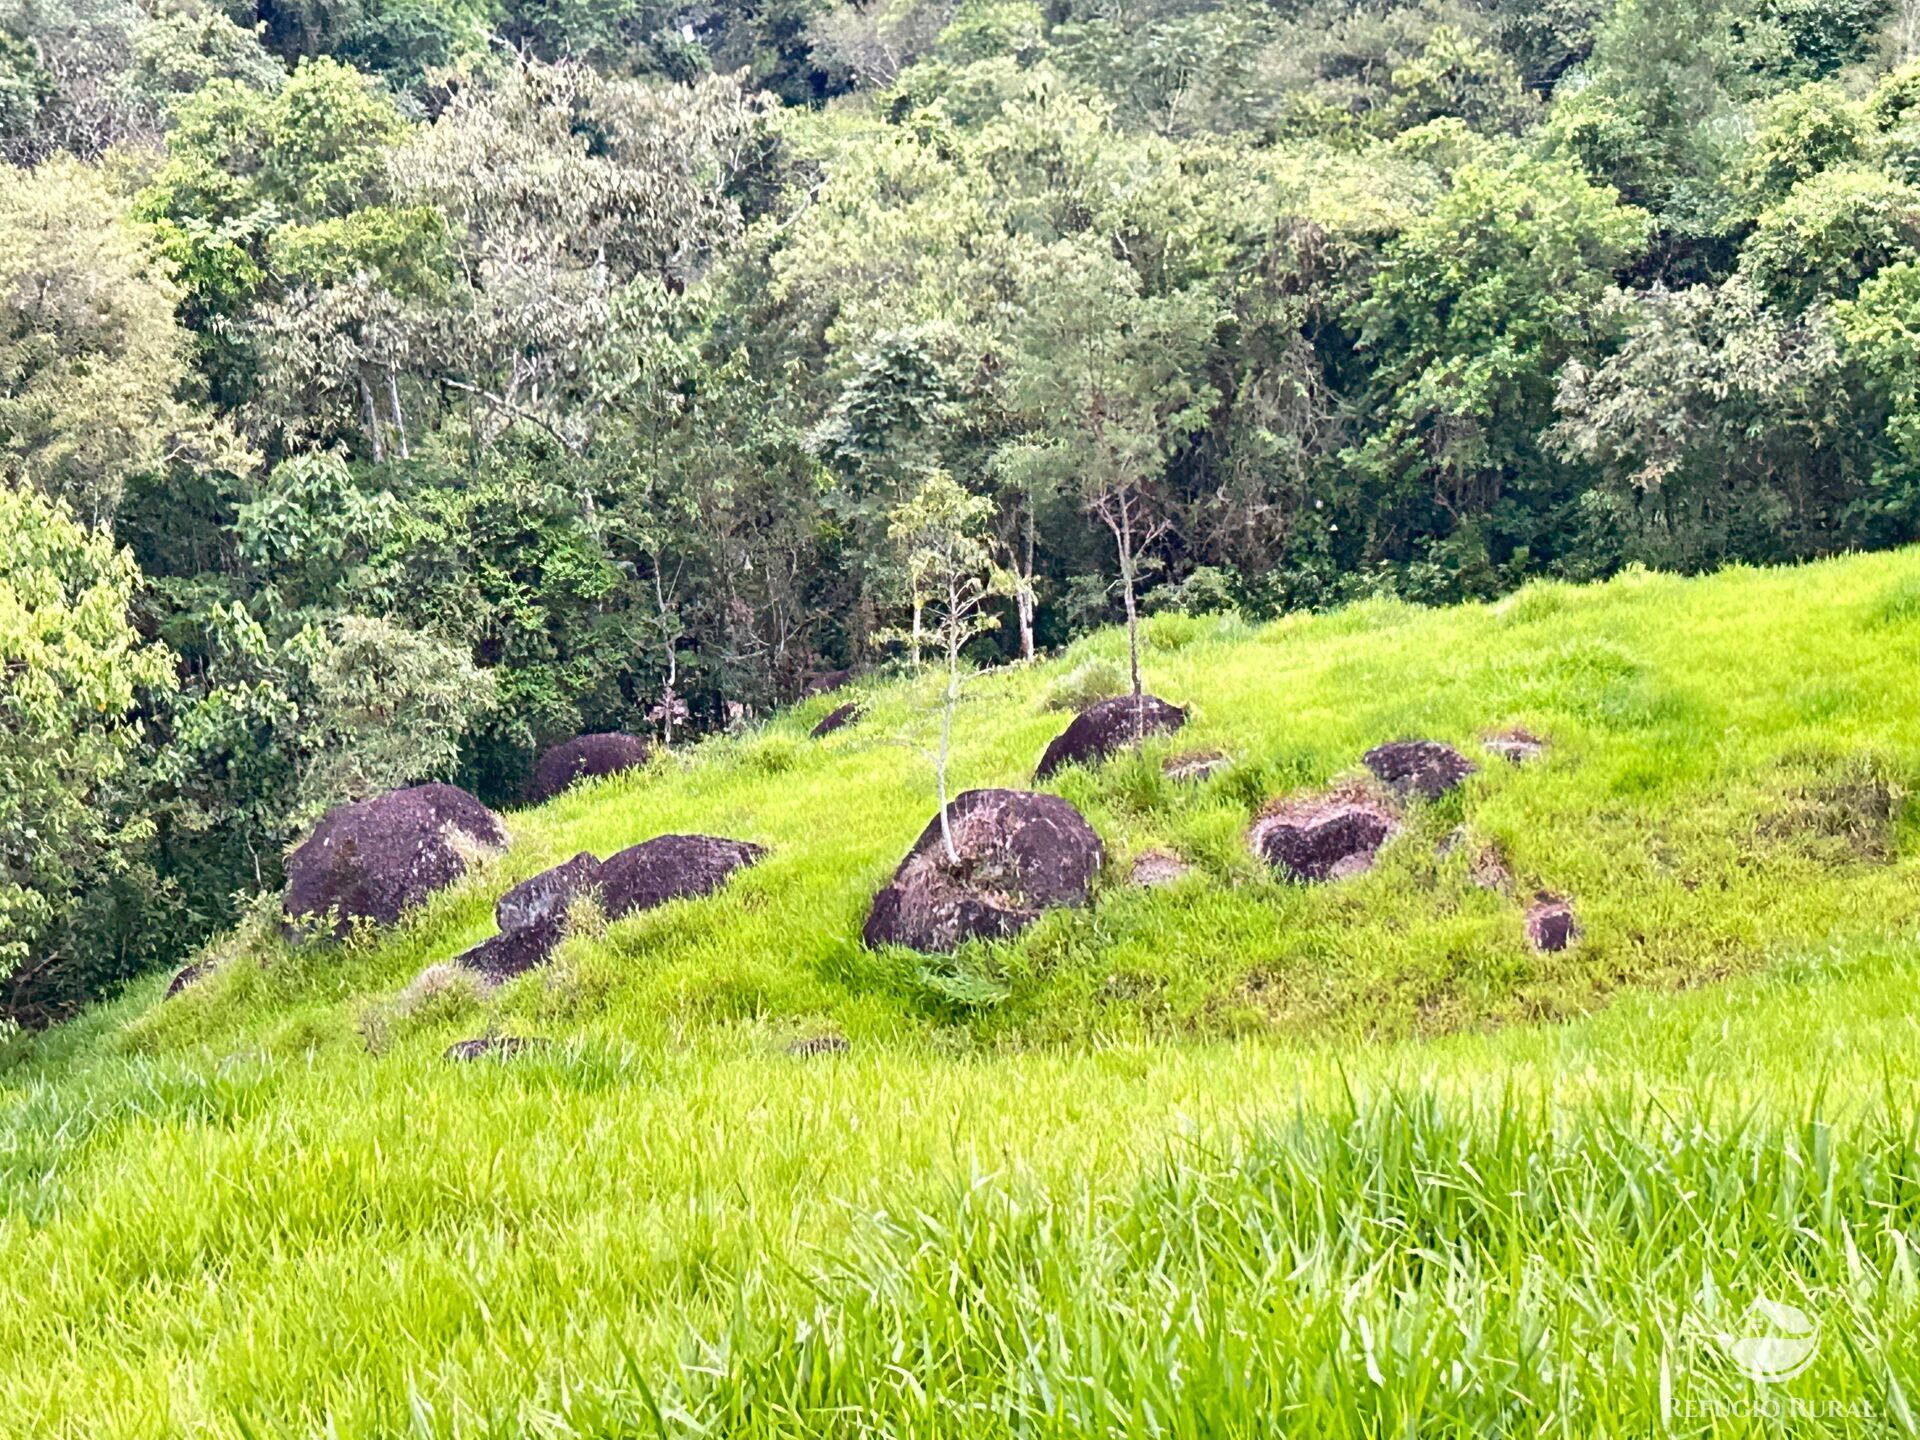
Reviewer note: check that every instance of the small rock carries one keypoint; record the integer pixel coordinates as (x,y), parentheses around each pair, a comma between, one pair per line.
(1516,744)
(837,720)
(1550,923)
(1487,867)
(1158,867)
(670,867)
(1195,766)
(583,757)
(495,1047)
(1326,837)
(1419,769)
(825,682)
(544,898)
(811,1045)
(1108,727)
(189,975)
(499,958)
(376,859)
(1021,853)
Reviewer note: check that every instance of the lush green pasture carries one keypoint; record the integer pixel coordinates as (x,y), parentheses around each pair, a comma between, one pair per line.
(1225,1158)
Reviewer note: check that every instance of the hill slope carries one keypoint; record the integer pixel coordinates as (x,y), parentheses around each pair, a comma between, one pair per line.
(268,1206)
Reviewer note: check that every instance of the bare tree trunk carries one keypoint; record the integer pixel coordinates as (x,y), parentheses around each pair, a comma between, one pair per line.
(668,638)
(372,420)
(1124,540)
(1023,596)
(946,718)
(919,608)
(399,416)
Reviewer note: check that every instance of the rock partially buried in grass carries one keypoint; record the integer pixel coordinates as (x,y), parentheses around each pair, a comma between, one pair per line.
(492,1047)
(837,720)
(1021,853)
(825,682)
(1108,727)
(544,898)
(1419,769)
(499,958)
(671,867)
(811,1045)
(376,859)
(189,975)
(1158,867)
(1487,867)
(1516,745)
(1195,766)
(584,757)
(1550,923)
(1324,837)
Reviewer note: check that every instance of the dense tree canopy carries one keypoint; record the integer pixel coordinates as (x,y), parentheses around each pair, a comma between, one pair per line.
(401,386)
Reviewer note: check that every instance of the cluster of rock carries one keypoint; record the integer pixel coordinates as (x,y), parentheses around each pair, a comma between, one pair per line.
(1002,859)
(1339,833)
(532,915)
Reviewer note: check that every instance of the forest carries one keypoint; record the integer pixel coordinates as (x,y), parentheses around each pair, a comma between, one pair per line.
(392,388)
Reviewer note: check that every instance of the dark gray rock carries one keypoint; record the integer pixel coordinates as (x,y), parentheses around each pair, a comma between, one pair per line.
(583,757)
(1105,728)
(838,719)
(513,952)
(1020,853)
(1550,923)
(670,867)
(544,898)
(376,859)
(1419,769)
(1327,837)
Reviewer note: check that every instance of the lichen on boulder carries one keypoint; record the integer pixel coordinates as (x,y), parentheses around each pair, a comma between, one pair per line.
(1021,853)
(373,860)
(1108,727)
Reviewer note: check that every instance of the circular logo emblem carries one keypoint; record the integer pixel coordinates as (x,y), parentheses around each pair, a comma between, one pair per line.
(1776,1341)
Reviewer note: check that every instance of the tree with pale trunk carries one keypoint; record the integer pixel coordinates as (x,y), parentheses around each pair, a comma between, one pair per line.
(942,530)
(1113,380)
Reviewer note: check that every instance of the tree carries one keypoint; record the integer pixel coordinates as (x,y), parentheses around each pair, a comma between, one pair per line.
(941,529)
(1723,426)
(91,358)
(1473,311)
(72,669)
(1113,380)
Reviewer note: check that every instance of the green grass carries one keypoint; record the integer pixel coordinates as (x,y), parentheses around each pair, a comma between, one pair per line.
(1229,1158)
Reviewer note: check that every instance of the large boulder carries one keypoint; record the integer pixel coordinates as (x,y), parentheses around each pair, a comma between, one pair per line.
(837,719)
(1323,837)
(375,859)
(1020,853)
(670,867)
(1111,725)
(582,757)
(543,899)
(1419,769)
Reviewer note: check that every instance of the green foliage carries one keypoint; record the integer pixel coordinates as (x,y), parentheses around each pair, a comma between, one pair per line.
(72,671)
(1474,309)
(90,356)
(1831,233)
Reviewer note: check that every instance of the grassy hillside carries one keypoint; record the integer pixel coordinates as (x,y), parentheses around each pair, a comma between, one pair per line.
(1228,1157)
